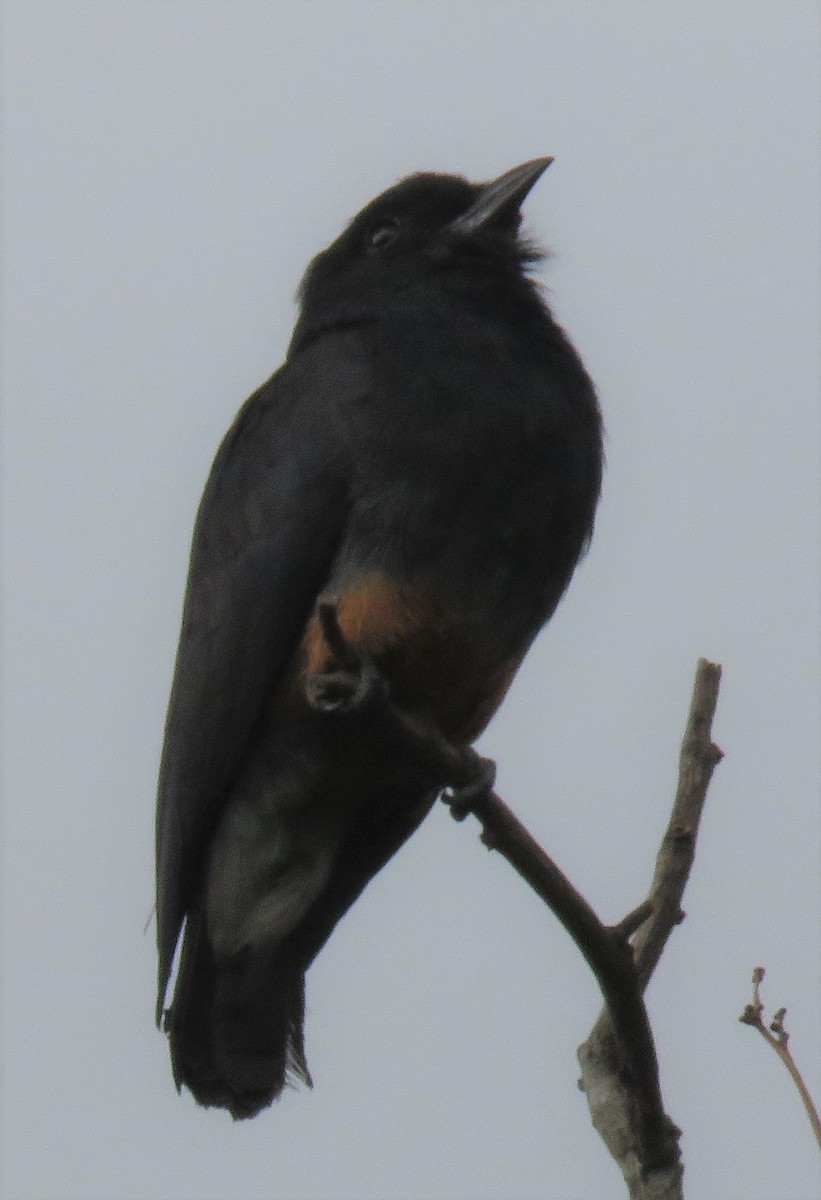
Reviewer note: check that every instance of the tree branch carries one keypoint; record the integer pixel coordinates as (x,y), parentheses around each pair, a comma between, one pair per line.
(608,954)
(699,757)
(612,1103)
(619,1067)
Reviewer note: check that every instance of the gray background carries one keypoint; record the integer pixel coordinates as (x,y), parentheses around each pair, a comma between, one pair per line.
(170,168)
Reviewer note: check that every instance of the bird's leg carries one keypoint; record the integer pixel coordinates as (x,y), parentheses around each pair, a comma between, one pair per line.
(350,681)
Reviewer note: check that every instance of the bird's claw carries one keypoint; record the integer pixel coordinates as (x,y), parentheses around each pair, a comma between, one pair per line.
(480,776)
(348,688)
(349,681)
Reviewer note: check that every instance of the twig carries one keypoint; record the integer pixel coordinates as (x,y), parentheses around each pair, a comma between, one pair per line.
(611,1100)
(778,1039)
(607,953)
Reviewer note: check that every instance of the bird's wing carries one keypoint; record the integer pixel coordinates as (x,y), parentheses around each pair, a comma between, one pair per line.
(268,527)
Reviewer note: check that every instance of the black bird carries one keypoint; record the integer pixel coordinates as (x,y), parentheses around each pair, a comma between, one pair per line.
(429,455)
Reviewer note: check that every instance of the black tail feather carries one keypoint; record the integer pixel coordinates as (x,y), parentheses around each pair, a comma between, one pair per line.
(236,1027)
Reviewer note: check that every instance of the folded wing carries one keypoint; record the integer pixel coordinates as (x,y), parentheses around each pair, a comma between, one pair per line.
(268,527)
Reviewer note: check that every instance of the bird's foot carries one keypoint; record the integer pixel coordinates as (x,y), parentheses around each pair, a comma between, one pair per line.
(479,778)
(349,681)
(344,688)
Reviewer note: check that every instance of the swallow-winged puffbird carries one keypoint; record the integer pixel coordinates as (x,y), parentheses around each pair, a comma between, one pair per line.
(429,456)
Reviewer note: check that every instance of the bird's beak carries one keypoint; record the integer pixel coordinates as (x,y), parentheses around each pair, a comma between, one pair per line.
(506,192)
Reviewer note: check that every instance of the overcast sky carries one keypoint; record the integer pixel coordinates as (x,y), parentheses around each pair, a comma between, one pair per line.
(169,170)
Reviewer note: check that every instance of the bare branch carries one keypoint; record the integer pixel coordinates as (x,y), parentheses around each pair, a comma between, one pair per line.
(778,1039)
(608,955)
(699,757)
(650,1151)
(611,1099)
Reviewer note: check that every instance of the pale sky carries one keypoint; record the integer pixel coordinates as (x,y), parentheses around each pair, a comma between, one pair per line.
(169,170)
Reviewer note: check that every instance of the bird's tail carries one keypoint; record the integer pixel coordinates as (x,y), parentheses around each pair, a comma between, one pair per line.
(236,1027)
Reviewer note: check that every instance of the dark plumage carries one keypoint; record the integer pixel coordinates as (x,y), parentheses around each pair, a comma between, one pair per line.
(430,455)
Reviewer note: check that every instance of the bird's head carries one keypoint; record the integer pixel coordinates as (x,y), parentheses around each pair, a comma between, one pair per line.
(429,230)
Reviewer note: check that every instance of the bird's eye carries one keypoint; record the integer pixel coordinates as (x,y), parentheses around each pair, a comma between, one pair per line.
(382,234)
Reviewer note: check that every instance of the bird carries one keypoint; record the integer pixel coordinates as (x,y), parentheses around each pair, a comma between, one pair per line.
(428,461)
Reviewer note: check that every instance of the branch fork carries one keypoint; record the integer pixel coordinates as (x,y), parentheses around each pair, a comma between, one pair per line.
(618,1061)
